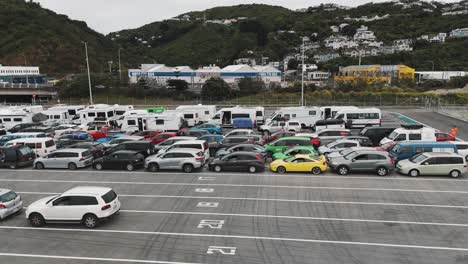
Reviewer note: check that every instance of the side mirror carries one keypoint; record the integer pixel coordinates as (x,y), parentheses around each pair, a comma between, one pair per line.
(353,160)
(426,163)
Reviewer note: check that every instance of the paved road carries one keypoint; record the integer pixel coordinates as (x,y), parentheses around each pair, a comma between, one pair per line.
(268,218)
(436,120)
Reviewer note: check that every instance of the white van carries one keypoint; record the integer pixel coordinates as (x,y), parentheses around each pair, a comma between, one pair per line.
(225,116)
(120,110)
(190,116)
(327,112)
(41,146)
(190,144)
(99,111)
(71,109)
(56,116)
(205,112)
(407,133)
(462,147)
(361,117)
(307,116)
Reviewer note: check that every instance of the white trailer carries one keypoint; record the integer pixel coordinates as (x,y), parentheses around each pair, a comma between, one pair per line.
(71,109)
(205,112)
(307,116)
(190,116)
(90,113)
(162,122)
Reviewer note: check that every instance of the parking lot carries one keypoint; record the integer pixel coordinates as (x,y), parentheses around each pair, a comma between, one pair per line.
(207,217)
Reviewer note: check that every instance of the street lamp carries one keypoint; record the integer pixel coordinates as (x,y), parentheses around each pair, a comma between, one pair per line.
(89,75)
(120,69)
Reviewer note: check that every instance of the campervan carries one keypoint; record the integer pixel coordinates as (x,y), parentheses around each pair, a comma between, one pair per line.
(55,116)
(204,111)
(99,111)
(409,133)
(330,111)
(361,117)
(118,120)
(307,116)
(162,122)
(190,116)
(120,110)
(14,115)
(225,116)
(71,109)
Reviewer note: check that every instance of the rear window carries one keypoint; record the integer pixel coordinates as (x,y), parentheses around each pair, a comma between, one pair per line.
(49,143)
(9,196)
(86,153)
(109,197)
(188,116)
(194,146)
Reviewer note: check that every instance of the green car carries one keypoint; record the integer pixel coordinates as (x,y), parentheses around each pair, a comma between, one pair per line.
(305,150)
(281,144)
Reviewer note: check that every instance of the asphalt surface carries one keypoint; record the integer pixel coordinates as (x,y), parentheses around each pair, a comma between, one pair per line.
(258,218)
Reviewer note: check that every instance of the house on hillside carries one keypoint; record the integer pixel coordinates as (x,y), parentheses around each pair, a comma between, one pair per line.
(363,33)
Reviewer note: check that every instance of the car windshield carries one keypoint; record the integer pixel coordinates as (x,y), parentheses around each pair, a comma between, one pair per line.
(418,158)
(290,159)
(351,156)
(331,144)
(393,135)
(9,196)
(345,152)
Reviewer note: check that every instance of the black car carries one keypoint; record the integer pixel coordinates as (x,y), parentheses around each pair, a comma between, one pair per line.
(39,129)
(96,148)
(192,133)
(376,134)
(16,156)
(17,128)
(238,161)
(233,141)
(122,159)
(364,141)
(145,148)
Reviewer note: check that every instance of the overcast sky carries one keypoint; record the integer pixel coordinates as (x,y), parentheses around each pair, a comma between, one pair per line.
(112,15)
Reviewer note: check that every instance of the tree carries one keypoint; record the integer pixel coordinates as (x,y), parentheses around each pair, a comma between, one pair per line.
(292,64)
(248,86)
(216,89)
(178,85)
(141,86)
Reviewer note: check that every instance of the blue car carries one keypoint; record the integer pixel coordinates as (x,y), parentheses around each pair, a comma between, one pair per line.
(212,129)
(107,139)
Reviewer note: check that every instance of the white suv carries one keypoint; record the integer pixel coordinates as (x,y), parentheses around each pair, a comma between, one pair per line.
(87,205)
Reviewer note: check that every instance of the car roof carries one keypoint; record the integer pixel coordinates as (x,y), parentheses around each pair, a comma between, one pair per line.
(458,142)
(440,154)
(74,150)
(345,141)
(421,143)
(124,152)
(244,153)
(89,190)
(241,130)
(370,151)
(131,137)
(184,150)
(183,137)
(3,191)
(136,142)
(287,138)
(31,140)
(332,129)
(303,156)
(190,142)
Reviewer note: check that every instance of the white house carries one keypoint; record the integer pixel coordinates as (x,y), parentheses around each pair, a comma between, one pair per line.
(459,33)
(363,33)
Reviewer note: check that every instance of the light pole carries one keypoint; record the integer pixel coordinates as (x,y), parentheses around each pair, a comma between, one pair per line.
(89,75)
(303,69)
(120,69)
(110,66)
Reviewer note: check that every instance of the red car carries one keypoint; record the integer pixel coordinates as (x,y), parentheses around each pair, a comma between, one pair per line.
(147,134)
(162,137)
(441,136)
(279,134)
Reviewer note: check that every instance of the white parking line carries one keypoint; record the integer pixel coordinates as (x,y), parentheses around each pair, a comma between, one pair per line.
(282,239)
(272,200)
(321,177)
(242,186)
(298,218)
(90,258)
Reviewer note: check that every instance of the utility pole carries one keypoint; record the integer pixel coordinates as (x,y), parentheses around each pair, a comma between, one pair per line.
(110,66)
(89,75)
(120,69)
(303,69)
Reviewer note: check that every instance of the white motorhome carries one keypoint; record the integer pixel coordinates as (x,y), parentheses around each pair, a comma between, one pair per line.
(205,112)
(408,133)
(14,115)
(190,116)
(72,109)
(225,116)
(361,117)
(162,122)
(120,110)
(307,116)
(327,112)
(99,111)
(56,116)
(118,120)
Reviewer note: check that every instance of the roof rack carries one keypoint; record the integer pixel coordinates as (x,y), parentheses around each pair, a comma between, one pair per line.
(412,126)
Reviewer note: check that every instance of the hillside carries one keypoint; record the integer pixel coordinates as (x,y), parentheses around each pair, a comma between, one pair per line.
(38,36)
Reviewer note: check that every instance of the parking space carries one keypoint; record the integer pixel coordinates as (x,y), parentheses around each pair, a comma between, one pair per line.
(207,217)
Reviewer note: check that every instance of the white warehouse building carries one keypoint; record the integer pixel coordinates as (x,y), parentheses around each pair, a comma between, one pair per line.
(231,74)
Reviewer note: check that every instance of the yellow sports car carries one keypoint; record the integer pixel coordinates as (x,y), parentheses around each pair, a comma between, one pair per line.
(300,163)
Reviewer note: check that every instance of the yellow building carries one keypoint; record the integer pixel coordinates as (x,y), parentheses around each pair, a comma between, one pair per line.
(375,73)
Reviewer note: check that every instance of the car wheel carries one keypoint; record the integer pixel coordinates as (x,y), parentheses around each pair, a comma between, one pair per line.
(72,166)
(98,166)
(187,168)
(281,169)
(12,167)
(252,169)
(153,167)
(40,166)
(382,171)
(36,219)
(316,171)
(413,173)
(130,167)
(217,168)
(343,170)
(90,221)
(455,174)
(466,158)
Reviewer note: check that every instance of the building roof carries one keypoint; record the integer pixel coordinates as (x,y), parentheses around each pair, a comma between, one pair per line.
(238,68)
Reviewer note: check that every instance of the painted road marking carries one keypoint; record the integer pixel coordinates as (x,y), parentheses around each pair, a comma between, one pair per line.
(221,250)
(90,259)
(206,178)
(275,200)
(321,177)
(207,204)
(282,239)
(213,224)
(244,185)
(204,190)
